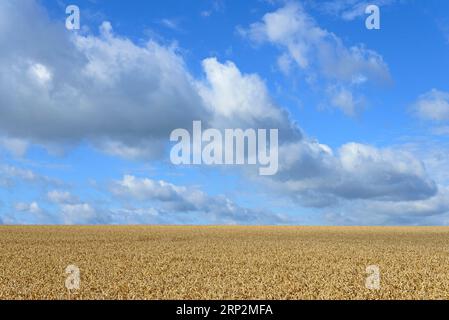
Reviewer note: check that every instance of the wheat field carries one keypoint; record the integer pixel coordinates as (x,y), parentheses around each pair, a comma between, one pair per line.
(162,262)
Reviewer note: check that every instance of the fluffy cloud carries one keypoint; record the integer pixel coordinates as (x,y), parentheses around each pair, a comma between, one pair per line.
(177,198)
(315,176)
(307,44)
(82,213)
(433,153)
(58,87)
(436,205)
(32,207)
(320,54)
(173,198)
(10,175)
(345,100)
(61,197)
(238,100)
(309,171)
(387,174)
(62,87)
(433,105)
(431,211)
(15,146)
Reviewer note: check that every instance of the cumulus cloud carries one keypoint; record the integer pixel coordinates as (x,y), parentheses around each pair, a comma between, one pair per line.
(82,213)
(344,99)
(319,53)
(433,153)
(311,172)
(433,105)
(25,212)
(60,87)
(32,207)
(316,176)
(61,197)
(174,198)
(238,100)
(431,211)
(10,175)
(291,28)
(436,205)
(17,147)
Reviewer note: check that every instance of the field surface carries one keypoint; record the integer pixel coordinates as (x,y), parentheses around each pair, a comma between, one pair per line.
(146,262)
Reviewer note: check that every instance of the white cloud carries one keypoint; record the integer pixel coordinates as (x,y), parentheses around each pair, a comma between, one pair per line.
(344,99)
(17,147)
(81,213)
(147,189)
(441,131)
(390,174)
(237,100)
(433,153)
(122,98)
(284,63)
(431,211)
(32,207)
(214,6)
(63,88)
(61,197)
(206,13)
(250,98)
(436,205)
(170,23)
(320,54)
(433,105)
(173,198)
(40,73)
(309,170)
(125,99)
(291,28)
(315,176)
(9,175)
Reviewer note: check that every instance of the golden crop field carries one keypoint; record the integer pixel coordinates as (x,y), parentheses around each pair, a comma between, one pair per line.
(152,262)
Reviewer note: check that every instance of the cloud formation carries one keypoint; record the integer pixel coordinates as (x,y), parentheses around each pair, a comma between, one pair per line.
(58,87)
(431,211)
(433,105)
(316,176)
(61,197)
(32,207)
(318,53)
(173,198)
(64,88)
(309,45)
(11,175)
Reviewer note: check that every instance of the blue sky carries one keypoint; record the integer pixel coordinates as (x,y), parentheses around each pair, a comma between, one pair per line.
(363,115)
